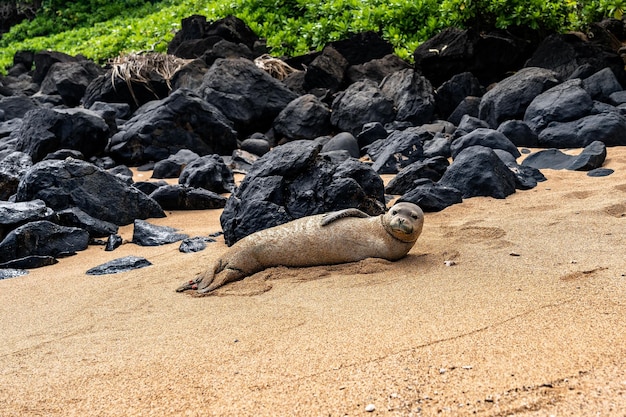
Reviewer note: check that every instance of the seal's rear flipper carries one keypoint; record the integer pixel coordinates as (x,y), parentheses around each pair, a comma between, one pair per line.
(189,285)
(328,218)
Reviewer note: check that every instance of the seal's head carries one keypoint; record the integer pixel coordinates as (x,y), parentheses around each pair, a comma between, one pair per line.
(404,221)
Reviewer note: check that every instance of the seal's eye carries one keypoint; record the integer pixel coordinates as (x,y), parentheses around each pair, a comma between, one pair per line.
(414,216)
(394,212)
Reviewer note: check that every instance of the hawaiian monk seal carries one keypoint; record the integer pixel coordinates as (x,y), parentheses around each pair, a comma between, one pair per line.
(342,236)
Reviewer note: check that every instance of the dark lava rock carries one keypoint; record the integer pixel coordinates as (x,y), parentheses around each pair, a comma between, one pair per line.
(362,47)
(146,234)
(162,128)
(174,164)
(563,103)
(306,117)
(511,96)
(432,169)
(73,183)
(343,141)
(484,137)
(489,56)
(468,124)
(607,127)
(241,161)
(70,80)
(178,197)
(45,130)
(294,180)
(375,69)
(30,262)
(602,84)
(361,103)
(439,145)
(246,95)
(63,154)
(519,133)
(412,95)
(565,53)
(600,172)
(370,133)
(526,177)
(431,196)
(470,106)
(16,106)
(590,158)
(326,71)
(12,168)
(256,146)
(75,217)
(125,264)
(195,244)
(11,273)
(208,172)
(113,242)
(477,171)
(13,215)
(452,92)
(400,149)
(148,187)
(42,238)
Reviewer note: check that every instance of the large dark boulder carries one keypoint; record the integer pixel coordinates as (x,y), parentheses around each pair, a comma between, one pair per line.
(511,96)
(526,177)
(431,196)
(484,137)
(74,183)
(115,87)
(566,53)
(376,69)
(174,164)
(12,167)
(489,56)
(602,84)
(162,128)
(431,168)
(44,60)
(16,106)
(400,149)
(180,197)
(326,71)
(519,133)
(306,117)
(198,35)
(452,92)
(147,234)
(361,103)
(412,95)
(70,80)
(246,95)
(42,238)
(607,127)
(362,47)
(478,171)
(294,180)
(591,157)
(208,172)
(13,215)
(75,217)
(44,131)
(563,103)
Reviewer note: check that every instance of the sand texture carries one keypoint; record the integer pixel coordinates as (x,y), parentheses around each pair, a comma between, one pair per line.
(530,321)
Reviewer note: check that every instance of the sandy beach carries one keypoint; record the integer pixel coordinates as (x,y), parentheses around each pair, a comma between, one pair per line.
(530,321)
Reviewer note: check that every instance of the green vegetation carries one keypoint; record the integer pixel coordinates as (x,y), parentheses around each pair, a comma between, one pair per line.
(101,29)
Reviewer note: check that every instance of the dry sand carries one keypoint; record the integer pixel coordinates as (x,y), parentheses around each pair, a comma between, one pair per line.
(530,321)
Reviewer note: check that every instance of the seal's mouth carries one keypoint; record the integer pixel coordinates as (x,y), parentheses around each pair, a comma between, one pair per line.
(400,225)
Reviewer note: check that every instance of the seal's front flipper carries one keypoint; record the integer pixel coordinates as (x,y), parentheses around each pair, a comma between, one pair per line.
(189,285)
(328,218)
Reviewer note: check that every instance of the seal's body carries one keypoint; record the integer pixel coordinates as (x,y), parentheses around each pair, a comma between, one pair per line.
(343,236)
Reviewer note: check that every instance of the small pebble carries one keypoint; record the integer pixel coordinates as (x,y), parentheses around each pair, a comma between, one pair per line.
(514,254)
(449,263)
(370,408)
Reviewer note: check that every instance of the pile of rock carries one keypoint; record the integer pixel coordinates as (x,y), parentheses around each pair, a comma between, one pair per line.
(314,137)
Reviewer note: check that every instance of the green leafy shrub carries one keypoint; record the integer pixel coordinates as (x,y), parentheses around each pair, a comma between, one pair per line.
(102,29)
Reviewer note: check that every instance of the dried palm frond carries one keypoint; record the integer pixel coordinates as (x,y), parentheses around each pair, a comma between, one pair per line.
(137,67)
(273,66)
